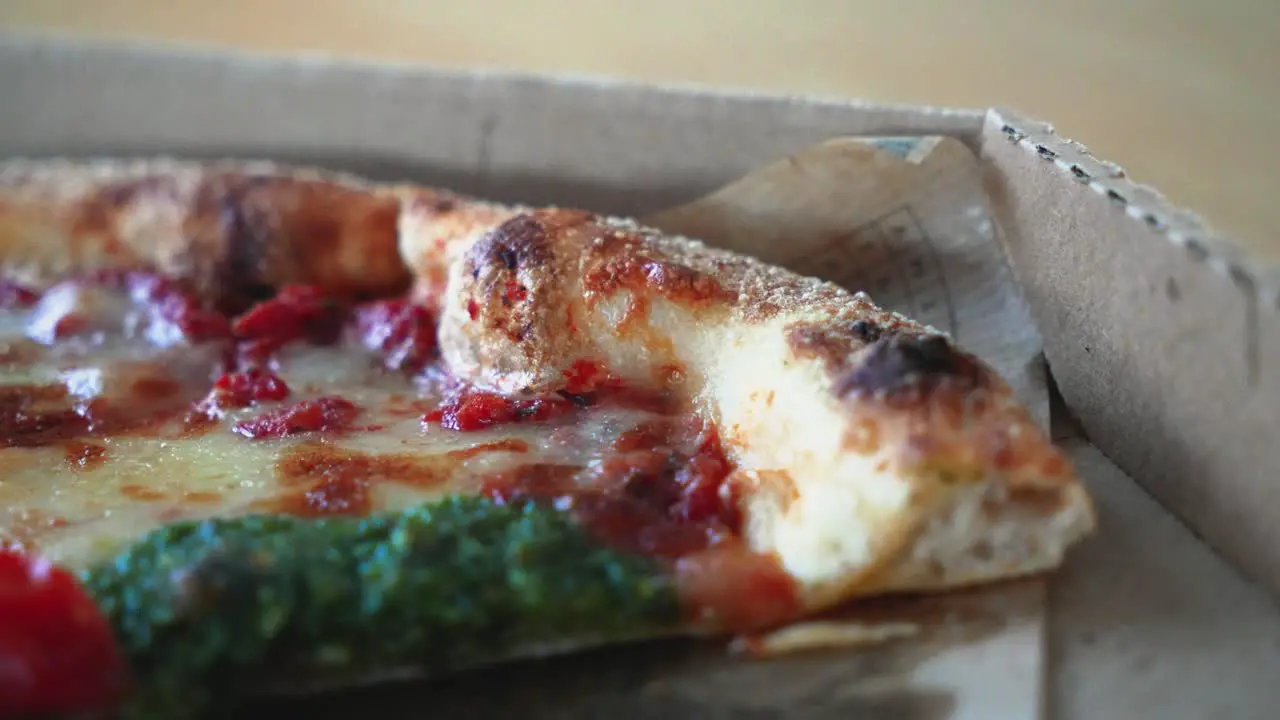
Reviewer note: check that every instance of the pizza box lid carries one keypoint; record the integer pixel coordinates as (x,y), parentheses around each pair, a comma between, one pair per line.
(1159,331)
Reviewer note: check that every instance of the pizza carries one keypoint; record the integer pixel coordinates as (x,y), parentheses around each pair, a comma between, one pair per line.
(265,428)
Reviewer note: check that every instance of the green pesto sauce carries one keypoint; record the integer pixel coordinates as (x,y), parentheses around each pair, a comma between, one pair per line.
(210,612)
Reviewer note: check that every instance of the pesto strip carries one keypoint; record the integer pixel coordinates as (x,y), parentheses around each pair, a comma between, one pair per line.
(205,611)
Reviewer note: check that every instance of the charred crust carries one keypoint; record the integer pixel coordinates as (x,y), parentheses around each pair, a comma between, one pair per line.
(835,345)
(807,341)
(521,242)
(508,257)
(508,265)
(521,235)
(250,234)
(866,331)
(240,274)
(901,361)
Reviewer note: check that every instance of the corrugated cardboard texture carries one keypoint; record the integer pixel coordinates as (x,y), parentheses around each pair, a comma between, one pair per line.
(1162,339)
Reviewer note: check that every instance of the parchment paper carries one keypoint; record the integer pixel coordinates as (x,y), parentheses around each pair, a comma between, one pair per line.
(906,220)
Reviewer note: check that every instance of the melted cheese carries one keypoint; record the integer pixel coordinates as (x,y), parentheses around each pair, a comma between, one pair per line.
(78,500)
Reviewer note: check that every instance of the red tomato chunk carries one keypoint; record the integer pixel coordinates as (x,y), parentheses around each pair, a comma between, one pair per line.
(297,312)
(475,410)
(57,653)
(13,295)
(242,389)
(328,413)
(403,332)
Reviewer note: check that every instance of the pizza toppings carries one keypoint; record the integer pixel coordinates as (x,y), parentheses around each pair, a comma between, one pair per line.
(13,295)
(295,313)
(85,455)
(72,308)
(472,410)
(33,415)
(178,314)
(321,480)
(586,376)
(649,495)
(402,332)
(446,585)
(663,492)
(242,389)
(57,651)
(730,587)
(324,414)
(122,304)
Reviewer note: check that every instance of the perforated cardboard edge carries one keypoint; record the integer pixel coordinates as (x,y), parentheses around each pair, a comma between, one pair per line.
(1159,332)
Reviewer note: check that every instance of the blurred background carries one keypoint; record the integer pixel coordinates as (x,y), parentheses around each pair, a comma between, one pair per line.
(1185,94)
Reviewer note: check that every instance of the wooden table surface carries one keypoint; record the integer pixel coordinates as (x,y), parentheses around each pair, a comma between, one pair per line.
(1176,91)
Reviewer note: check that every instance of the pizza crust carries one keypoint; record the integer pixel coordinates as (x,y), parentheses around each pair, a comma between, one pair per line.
(873,455)
(232,229)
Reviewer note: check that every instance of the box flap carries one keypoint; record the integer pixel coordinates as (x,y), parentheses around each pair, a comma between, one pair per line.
(630,150)
(1161,334)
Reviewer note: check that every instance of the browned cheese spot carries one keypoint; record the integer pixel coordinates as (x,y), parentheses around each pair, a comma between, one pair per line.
(903,361)
(37,415)
(85,455)
(321,480)
(141,493)
(511,445)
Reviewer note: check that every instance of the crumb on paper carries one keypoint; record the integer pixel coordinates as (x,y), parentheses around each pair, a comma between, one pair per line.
(821,635)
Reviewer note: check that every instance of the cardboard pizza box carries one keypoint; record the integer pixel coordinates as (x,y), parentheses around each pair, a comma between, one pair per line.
(1160,334)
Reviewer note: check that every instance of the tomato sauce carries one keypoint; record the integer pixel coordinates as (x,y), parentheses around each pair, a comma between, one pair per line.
(13,295)
(587,384)
(662,491)
(297,312)
(168,301)
(471,410)
(402,332)
(56,648)
(324,414)
(242,389)
(585,376)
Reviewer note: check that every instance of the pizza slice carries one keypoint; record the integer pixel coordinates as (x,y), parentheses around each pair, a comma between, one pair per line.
(267,429)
